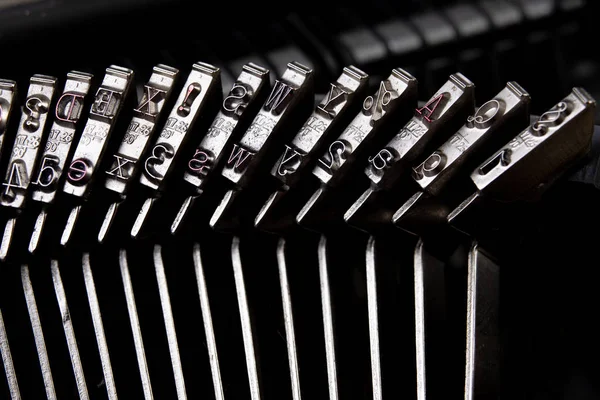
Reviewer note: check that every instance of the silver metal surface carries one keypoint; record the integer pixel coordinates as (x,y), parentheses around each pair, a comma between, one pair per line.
(70,225)
(26,148)
(539,152)
(28,141)
(249,86)
(288,318)
(482,370)
(139,222)
(253,150)
(141,129)
(334,168)
(535,156)
(90,287)
(94,139)
(67,323)
(247,335)
(135,326)
(99,126)
(454,98)
(165,301)
(203,81)
(38,333)
(238,106)
(328,327)
(420,321)
(293,85)
(395,92)
(343,93)
(327,119)
(8,90)
(202,87)
(181,214)
(7,236)
(9,367)
(485,127)
(36,234)
(440,117)
(107,222)
(533,160)
(67,113)
(430,308)
(209,331)
(371,267)
(445,172)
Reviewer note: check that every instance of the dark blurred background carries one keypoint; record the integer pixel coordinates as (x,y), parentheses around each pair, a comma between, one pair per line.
(542,44)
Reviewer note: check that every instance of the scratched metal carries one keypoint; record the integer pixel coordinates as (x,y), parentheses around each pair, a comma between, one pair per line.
(67,323)
(38,333)
(135,326)
(144,212)
(28,141)
(328,328)
(201,88)
(373,319)
(208,325)
(99,126)
(70,225)
(288,317)
(67,114)
(244,310)
(107,222)
(38,228)
(8,90)
(7,237)
(165,301)
(9,367)
(36,234)
(90,286)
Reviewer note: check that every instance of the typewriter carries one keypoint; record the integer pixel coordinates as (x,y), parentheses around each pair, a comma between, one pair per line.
(318,200)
